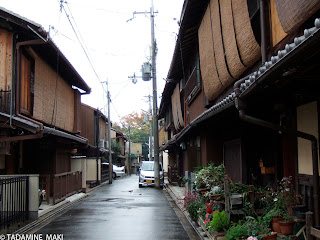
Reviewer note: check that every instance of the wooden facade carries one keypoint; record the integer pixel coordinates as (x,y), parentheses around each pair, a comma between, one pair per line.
(39,117)
(247,67)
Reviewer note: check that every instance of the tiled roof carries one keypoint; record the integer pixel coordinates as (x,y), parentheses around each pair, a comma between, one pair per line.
(251,79)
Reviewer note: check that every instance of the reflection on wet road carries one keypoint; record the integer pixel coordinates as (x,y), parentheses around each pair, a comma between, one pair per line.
(121,210)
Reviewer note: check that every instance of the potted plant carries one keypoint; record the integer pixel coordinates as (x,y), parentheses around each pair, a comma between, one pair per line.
(219,222)
(193,203)
(237,231)
(286,224)
(273,217)
(258,229)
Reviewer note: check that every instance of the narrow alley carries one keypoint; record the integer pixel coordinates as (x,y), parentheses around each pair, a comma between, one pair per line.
(119,211)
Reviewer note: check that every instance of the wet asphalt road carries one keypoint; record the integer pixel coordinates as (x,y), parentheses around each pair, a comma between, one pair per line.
(121,210)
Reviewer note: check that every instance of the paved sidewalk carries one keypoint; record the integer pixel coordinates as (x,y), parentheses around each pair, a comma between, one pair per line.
(177,194)
(46,208)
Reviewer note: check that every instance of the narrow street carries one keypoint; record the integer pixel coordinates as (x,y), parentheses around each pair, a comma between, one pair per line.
(120,211)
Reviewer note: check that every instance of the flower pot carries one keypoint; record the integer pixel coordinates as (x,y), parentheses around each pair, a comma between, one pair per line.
(203,190)
(275,224)
(272,236)
(286,227)
(214,197)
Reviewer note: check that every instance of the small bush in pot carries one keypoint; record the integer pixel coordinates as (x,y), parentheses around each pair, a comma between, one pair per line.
(220,221)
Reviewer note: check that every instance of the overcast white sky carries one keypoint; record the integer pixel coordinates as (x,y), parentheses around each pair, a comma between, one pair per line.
(117,48)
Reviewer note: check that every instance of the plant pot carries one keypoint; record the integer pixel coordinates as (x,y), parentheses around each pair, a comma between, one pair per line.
(272,236)
(286,227)
(275,224)
(203,190)
(214,197)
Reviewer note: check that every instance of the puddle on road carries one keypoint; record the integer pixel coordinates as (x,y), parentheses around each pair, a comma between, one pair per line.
(117,200)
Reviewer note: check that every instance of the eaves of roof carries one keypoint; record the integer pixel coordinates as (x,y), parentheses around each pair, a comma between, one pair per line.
(191,16)
(20,122)
(53,131)
(48,51)
(307,42)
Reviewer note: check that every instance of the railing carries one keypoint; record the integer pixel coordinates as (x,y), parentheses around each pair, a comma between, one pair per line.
(172,174)
(104,172)
(192,85)
(5,101)
(14,197)
(65,184)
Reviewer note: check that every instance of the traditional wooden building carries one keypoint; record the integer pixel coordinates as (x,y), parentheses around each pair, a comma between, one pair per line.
(40,100)
(242,90)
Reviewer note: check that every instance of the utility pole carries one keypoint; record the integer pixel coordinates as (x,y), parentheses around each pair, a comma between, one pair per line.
(109,136)
(129,154)
(97,143)
(150,132)
(155,109)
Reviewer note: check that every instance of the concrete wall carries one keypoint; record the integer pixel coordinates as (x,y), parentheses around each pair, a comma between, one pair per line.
(80,164)
(165,159)
(91,165)
(307,121)
(136,148)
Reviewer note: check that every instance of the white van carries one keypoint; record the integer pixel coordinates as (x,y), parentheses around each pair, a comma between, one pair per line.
(146,175)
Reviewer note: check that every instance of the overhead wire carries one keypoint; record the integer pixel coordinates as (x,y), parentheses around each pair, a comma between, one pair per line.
(82,44)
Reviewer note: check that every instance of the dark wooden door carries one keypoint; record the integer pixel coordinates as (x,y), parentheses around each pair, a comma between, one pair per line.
(232,159)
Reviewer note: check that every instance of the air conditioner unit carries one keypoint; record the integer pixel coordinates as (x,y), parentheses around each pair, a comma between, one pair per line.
(106,144)
(101,143)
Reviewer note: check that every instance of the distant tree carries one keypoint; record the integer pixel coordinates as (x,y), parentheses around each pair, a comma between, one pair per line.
(139,129)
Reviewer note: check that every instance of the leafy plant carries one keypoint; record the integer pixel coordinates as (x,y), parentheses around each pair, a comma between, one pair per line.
(193,203)
(256,227)
(237,231)
(273,213)
(220,221)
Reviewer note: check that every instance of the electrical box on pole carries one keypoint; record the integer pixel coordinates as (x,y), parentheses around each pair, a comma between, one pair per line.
(146,70)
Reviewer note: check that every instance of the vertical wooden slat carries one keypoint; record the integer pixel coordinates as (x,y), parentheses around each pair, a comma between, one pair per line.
(309,225)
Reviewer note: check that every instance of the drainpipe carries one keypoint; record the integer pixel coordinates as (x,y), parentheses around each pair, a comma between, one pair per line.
(18,81)
(263,32)
(241,105)
(12,77)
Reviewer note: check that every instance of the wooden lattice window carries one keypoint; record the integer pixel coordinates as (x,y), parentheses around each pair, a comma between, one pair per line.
(27,84)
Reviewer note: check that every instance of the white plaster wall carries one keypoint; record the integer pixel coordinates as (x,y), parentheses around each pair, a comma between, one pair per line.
(307,121)
(92,169)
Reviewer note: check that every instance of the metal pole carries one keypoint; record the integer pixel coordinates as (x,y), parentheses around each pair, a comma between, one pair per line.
(155,111)
(129,157)
(97,144)
(109,137)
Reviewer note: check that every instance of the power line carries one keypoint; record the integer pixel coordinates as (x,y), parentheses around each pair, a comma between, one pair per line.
(81,44)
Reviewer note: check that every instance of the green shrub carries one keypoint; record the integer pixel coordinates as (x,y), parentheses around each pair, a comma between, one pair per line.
(220,221)
(193,203)
(237,231)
